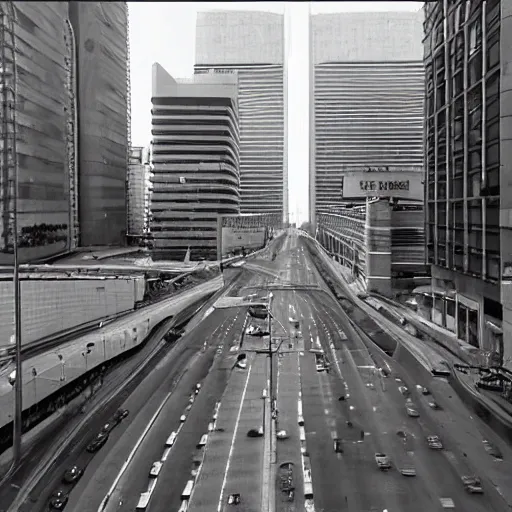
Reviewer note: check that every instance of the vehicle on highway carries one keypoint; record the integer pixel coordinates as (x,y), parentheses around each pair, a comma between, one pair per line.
(120,415)
(72,475)
(382,461)
(234,499)
(255,432)
(242,364)
(202,441)
(183,418)
(409,402)
(338,446)
(404,390)
(320,362)
(492,450)
(58,500)
(155,469)
(447,503)
(107,428)
(97,442)
(423,390)
(301,421)
(282,434)
(184,506)
(408,471)
(198,388)
(434,405)
(171,439)
(143,501)
(434,442)
(185,494)
(472,484)
(412,411)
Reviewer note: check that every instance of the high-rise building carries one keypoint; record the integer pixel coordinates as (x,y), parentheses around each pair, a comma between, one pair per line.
(251,43)
(367,98)
(102,68)
(34,126)
(195,157)
(468,58)
(137,194)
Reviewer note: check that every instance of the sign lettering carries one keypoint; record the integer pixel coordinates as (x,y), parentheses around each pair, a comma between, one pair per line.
(383,185)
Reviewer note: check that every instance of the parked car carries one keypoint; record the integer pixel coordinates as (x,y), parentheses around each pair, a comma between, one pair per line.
(58,500)
(97,442)
(120,415)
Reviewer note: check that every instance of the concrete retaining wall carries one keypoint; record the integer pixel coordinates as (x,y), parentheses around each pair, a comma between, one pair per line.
(52,306)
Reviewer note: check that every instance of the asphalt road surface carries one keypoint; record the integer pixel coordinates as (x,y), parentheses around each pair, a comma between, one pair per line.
(352,402)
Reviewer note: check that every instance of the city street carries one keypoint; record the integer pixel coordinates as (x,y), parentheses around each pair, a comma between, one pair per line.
(352,402)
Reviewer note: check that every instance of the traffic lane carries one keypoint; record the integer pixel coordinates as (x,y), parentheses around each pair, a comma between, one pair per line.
(288,450)
(37,499)
(185,455)
(447,480)
(394,490)
(135,480)
(209,485)
(103,466)
(244,475)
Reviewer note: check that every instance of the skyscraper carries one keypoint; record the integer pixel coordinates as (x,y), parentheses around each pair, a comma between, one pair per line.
(102,131)
(195,162)
(468,58)
(367,98)
(251,43)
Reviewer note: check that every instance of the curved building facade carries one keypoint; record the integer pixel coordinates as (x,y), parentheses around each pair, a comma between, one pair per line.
(195,157)
(368,98)
(251,44)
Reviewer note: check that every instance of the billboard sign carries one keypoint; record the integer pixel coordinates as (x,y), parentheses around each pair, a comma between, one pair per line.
(234,239)
(399,184)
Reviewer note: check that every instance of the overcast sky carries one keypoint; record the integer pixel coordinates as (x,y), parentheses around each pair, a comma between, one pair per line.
(165,33)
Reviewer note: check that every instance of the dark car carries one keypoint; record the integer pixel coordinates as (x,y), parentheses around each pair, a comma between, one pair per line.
(120,415)
(97,442)
(72,475)
(58,500)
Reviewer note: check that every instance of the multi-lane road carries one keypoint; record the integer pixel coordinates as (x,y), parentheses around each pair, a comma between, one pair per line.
(199,389)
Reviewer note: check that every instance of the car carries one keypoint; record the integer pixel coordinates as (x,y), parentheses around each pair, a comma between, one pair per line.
(120,415)
(107,428)
(182,418)
(255,432)
(282,434)
(472,484)
(242,365)
(434,442)
(382,461)
(300,421)
(97,442)
(434,405)
(338,446)
(409,402)
(404,390)
(72,475)
(492,450)
(423,390)
(408,471)
(412,412)
(58,500)
(234,499)
(155,469)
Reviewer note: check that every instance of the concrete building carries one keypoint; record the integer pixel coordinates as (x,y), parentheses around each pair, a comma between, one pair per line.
(195,157)
(252,43)
(367,98)
(102,67)
(34,129)
(468,59)
(138,188)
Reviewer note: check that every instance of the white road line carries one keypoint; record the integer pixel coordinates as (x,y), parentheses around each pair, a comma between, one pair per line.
(219,507)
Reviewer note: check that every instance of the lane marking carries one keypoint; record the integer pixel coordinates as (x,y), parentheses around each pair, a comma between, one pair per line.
(219,507)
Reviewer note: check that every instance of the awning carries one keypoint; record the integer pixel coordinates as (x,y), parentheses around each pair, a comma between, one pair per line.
(433,290)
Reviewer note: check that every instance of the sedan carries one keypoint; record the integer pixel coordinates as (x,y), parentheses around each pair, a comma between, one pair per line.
(72,475)
(58,500)
(472,484)
(434,442)
(155,469)
(120,415)
(382,461)
(423,390)
(404,390)
(97,442)
(412,412)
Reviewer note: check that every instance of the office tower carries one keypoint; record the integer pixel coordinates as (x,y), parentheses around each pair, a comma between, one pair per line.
(367,98)
(251,43)
(101,41)
(36,101)
(468,160)
(195,157)
(137,194)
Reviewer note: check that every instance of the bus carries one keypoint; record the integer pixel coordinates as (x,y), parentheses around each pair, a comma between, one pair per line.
(308,490)
(185,495)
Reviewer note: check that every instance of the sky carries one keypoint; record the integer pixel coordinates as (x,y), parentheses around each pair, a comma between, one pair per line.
(165,33)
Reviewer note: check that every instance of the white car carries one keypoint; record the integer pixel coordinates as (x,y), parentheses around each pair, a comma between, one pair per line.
(182,418)
(155,469)
(404,390)
(423,390)
(282,434)
(382,461)
(434,442)
(408,471)
(412,412)
(472,484)
(242,365)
